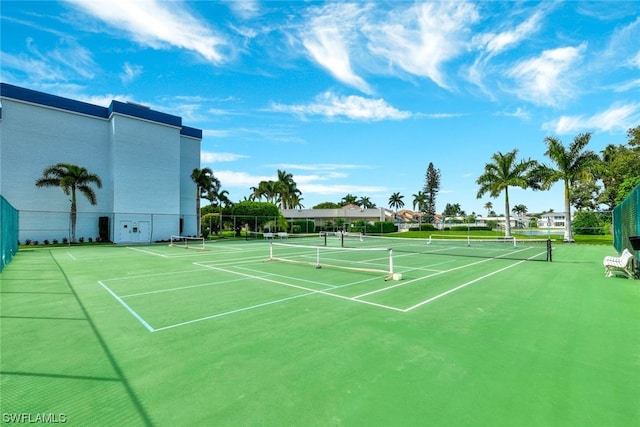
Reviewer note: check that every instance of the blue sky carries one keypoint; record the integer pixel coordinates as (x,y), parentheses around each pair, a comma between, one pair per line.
(351,98)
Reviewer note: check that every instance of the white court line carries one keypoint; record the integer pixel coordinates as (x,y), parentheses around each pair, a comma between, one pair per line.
(370,279)
(313,282)
(461,286)
(71,256)
(143,276)
(129,309)
(300,287)
(406,282)
(182,288)
(148,252)
(226,313)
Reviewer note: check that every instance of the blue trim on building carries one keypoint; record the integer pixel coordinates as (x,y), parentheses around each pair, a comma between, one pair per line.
(144,113)
(35,97)
(192,132)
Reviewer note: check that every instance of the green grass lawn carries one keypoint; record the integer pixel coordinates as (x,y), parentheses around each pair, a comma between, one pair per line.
(152,335)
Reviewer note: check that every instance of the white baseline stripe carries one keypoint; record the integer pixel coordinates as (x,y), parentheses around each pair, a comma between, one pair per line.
(129,309)
(462,286)
(299,287)
(147,252)
(180,288)
(403,283)
(226,313)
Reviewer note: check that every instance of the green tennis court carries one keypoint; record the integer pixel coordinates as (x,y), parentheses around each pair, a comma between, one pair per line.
(309,332)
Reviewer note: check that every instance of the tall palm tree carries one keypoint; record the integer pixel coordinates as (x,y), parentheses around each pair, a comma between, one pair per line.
(502,173)
(395,201)
(70,178)
(573,165)
(204,180)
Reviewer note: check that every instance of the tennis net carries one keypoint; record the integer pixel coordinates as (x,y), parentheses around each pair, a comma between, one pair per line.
(371,260)
(187,242)
(503,248)
(314,239)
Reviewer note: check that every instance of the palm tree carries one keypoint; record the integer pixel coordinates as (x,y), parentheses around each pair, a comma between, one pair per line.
(395,201)
(488,206)
(289,192)
(520,211)
(419,200)
(266,189)
(70,178)
(573,165)
(204,180)
(349,199)
(502,173)
(365,203)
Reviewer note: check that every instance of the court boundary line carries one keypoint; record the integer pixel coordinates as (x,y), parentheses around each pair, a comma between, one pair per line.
(315,291)
(308,291)
(129,309)
(464,285)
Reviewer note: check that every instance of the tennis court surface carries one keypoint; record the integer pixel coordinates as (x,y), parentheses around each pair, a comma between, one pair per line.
(313,332)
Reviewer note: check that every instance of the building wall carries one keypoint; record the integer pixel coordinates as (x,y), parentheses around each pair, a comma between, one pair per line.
(138,153)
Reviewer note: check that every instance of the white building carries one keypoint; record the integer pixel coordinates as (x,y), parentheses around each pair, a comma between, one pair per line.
(143,157)
(552,220)
(349,213)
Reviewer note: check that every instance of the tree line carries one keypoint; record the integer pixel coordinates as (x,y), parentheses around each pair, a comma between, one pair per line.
(590,181)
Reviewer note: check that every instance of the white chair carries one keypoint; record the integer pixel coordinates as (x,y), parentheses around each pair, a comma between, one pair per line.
(619,264)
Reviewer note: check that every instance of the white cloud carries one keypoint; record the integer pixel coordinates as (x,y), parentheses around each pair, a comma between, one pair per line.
(617,118)
(130,72)
(492,44)
(626,86)
(66,62)
(158,24)
(623,46)
(245,9)
(352,107)
(495,43)
(342,189)
(327,42)
(216,157)
(421,39)
(519,113)
(548,78)
(324,167)
(242,180)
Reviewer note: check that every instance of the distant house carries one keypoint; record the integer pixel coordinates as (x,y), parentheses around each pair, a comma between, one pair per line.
(552,220)
(143,157)
(348,213)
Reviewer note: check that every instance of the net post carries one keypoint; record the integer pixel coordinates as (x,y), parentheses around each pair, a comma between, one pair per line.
(270,251)
(515,243)
(317,257)
(391,262)
(549,251)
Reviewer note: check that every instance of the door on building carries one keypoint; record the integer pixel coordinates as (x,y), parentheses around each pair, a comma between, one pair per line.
(135,231)
(125,231)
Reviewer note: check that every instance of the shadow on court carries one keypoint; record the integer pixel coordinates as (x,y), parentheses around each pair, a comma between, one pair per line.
(56,367)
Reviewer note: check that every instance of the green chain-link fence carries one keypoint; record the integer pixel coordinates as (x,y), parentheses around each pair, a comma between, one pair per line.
(8,232)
